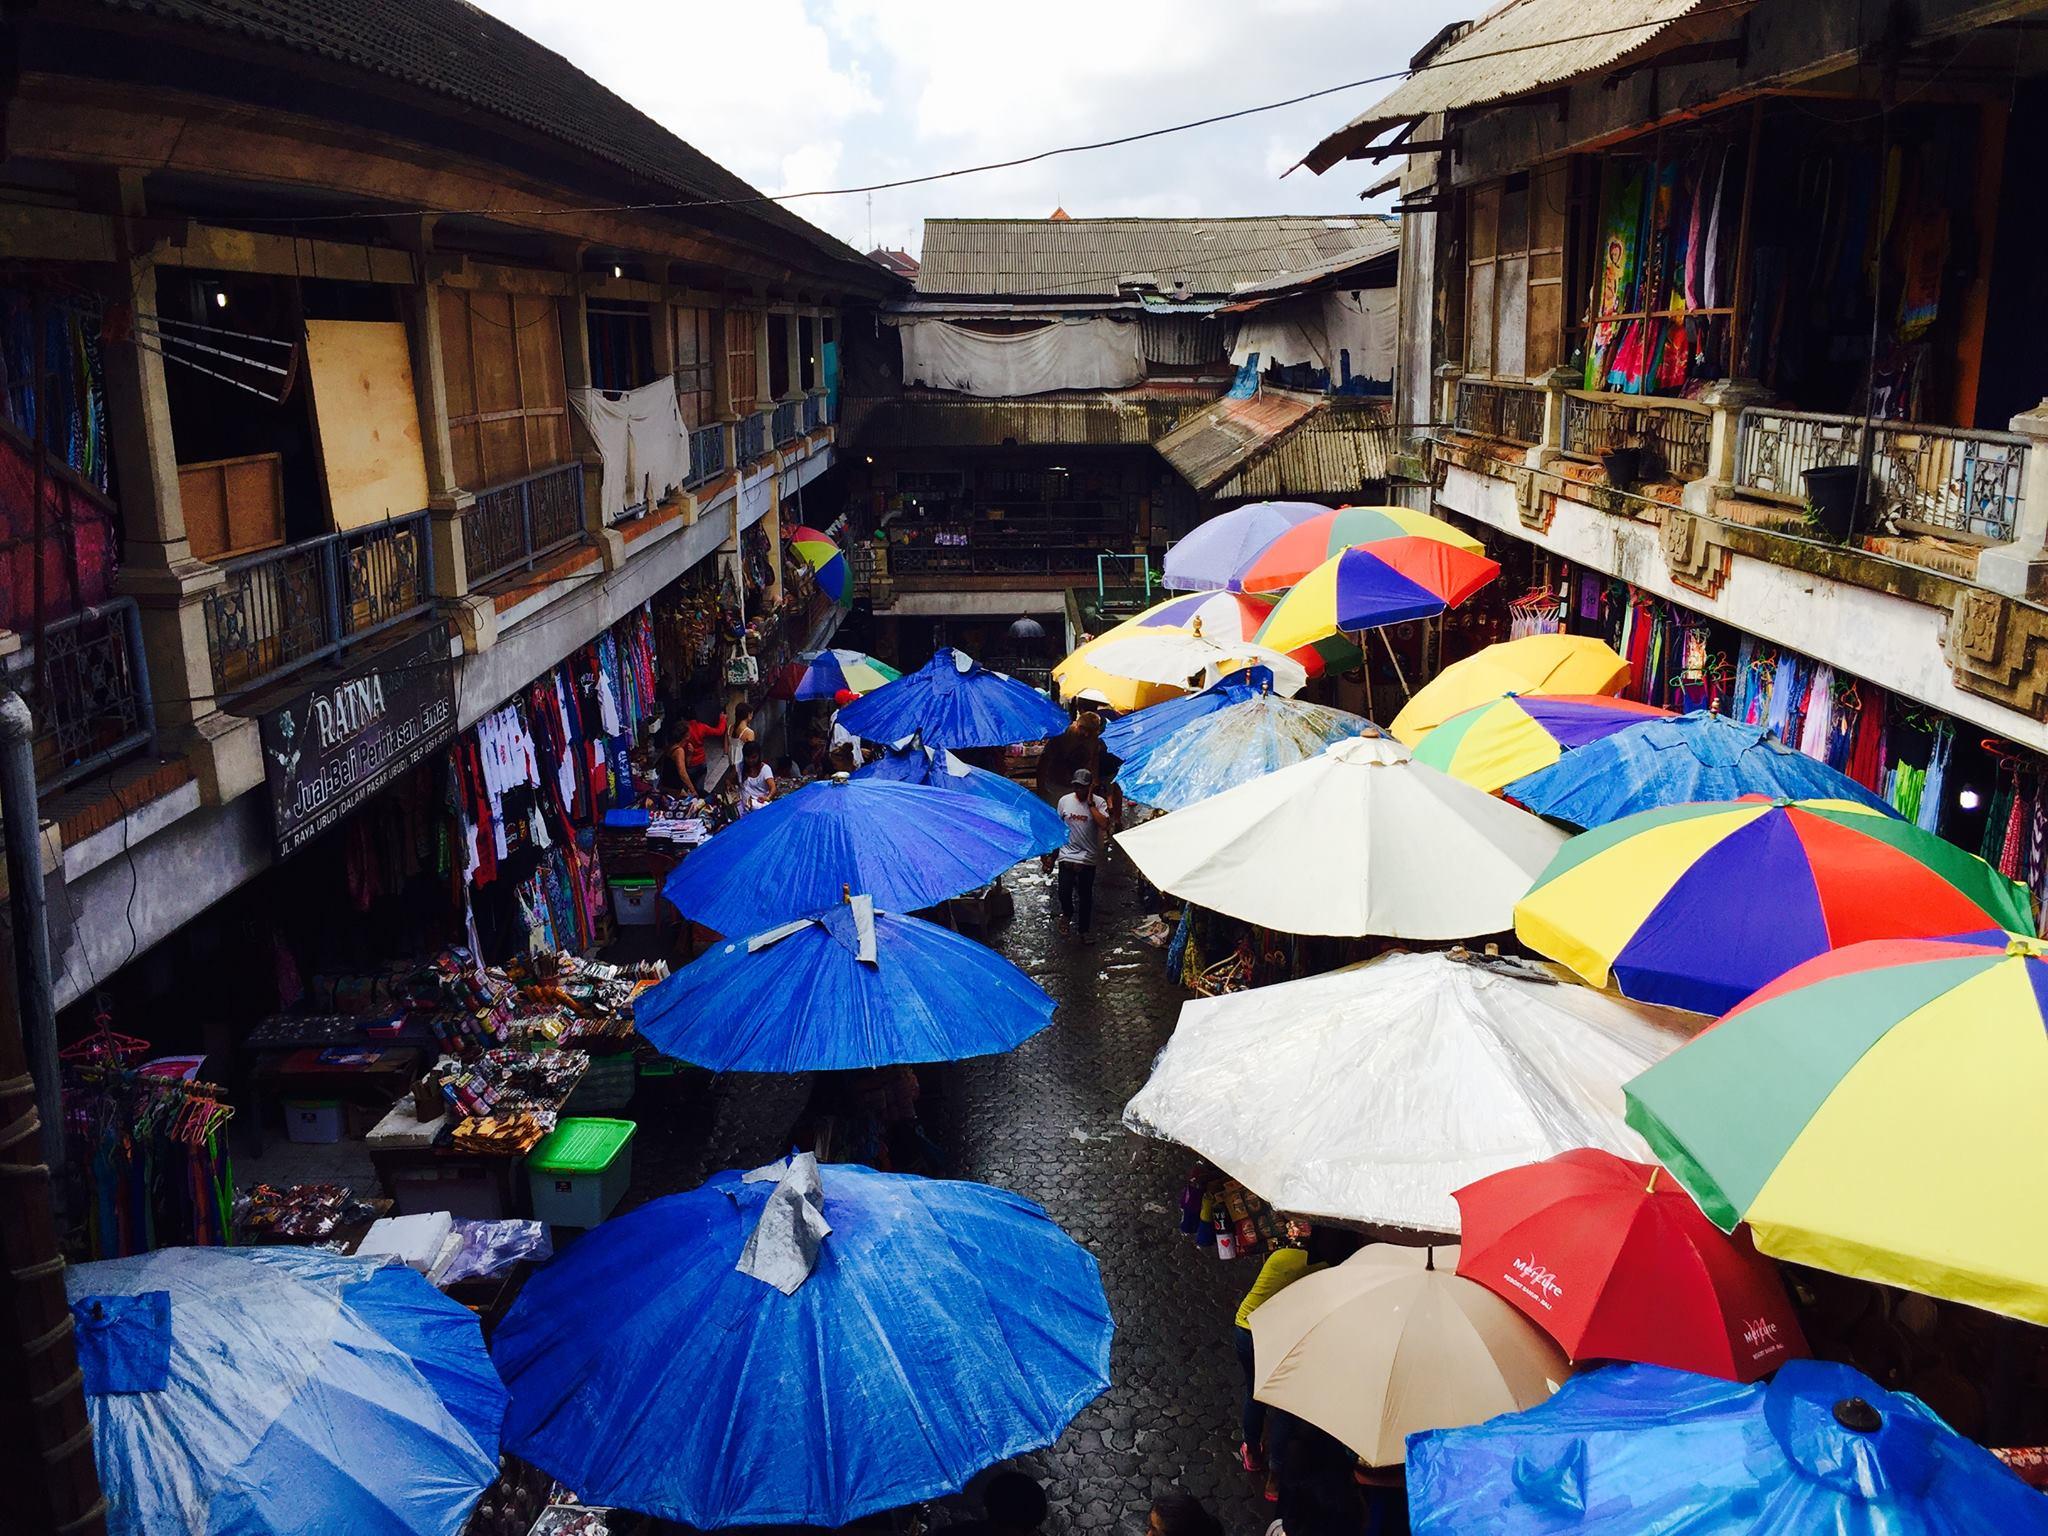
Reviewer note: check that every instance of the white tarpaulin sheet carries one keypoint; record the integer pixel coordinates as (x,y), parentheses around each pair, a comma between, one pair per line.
(1080,353)
(1330,331)
(640,432)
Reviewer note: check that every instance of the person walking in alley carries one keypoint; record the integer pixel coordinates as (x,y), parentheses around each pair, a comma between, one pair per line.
(1087,817)
(1304,1254)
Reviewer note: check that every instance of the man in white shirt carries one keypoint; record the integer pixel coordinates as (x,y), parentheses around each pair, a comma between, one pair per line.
(1087,817)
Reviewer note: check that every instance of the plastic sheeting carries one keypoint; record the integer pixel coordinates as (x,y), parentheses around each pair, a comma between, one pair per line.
(946,1327)
(1125,736)
(1699,756)
(307,1393)
(903,844)
(1637,1449)
(1346,336)
(1074,353)
(945,770)
(1370,1094)
(807,1002)
(954,701)
(640,433)
(1222,750)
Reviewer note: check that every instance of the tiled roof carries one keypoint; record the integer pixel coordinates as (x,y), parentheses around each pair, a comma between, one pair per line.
(1096,258)
(455,50)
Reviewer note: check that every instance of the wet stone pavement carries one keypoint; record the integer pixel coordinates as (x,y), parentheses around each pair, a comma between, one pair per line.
(1044,1121)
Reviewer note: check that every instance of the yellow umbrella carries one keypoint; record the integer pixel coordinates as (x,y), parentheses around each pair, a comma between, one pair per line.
(1539,664)
(1232,614)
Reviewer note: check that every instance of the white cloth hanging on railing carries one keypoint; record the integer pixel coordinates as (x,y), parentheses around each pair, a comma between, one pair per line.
(641,436)
(1090,353)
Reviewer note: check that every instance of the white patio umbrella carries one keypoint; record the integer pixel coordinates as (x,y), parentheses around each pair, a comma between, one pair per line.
(1360,839)
(1369,1094)
(1173,657)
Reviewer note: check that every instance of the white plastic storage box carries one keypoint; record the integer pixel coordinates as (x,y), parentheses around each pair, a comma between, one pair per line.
(313,1120)
(633,901)
(580,1170)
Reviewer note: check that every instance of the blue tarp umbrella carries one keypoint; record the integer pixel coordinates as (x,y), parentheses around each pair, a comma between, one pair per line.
(1126,735)
(904,844)
(1222,750)
(937,768)
(954,701)
(850,987)
(1209,558)
(1635,1449)
(1698,756)
(239,1392)
(870,1344)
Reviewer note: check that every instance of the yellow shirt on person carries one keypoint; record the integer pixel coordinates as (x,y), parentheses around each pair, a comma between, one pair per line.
(1282,1268)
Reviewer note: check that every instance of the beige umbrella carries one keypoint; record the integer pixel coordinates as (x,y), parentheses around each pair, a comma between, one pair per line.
(1392,1341)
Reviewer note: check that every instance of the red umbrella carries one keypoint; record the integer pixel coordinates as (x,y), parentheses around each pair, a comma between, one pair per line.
(1613,1260)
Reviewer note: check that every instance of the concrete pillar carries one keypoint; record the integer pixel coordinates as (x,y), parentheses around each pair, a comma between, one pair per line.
(773,524)
(792,352)
(1728,398)
(1447,376)
(575,328)
(2020,568)
(447,501)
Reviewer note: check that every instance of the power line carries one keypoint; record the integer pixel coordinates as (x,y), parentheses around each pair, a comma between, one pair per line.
(680,205)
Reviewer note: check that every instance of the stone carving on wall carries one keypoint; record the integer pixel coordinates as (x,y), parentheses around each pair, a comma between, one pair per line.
(1999,648)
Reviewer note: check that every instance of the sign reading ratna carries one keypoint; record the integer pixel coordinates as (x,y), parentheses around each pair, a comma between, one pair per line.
(332,747)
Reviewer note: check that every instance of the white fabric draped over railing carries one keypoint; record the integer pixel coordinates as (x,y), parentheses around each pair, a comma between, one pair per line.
(1079,353)
(641,435)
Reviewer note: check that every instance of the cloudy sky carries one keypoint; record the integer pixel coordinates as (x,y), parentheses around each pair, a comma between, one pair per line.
(802,94)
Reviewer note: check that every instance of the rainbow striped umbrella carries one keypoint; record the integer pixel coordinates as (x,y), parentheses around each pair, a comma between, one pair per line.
(1491,745)
(1696,906)
(1877,1112)
(1223,615)
(823,557)
(1402,539)
(828,672)
(1373,584)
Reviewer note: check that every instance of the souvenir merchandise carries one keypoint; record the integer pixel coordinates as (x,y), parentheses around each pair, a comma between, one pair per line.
(301,1213)
(1218,1213)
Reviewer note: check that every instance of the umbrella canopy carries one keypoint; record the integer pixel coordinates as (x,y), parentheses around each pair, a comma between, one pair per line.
(1569,664)
(818,551)
(904,844)
(1612,1259)
(1175,656)
(1877,1112)
(954,701)
(1511,737)
(1370,1094)
(1129,734)
(929,1329)
(939,769)
(1391,1342)
(1636,1449)
(1357,840)
(1697,756)
(1221,613)
(1363,588)
(237,1392)
(1406,540)
(850,987)
(1221,750)
(829,672)
(1696,906)
(1210,557)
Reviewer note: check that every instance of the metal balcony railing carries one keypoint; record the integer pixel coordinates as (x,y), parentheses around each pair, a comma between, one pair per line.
(90,693)
(511,526)
(1943,479)
(1511,412)
(1673,433)
(814,412)
(707,454)
(752,434)
(285,608)
(910,561)
(788,423)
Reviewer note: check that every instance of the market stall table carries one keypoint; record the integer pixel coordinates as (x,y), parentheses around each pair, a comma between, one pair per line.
(471,1164)
(363,1075)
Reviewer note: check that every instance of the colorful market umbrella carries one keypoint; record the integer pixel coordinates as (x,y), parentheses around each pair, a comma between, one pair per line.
(802,1346)
(1696,906)
(829,672)
(1231,614)
(1406,541)
(818,551)
(1877,1112)
(249,1391)
(1126,735)
(948,770)
(1210,557)
(1534,664)
(1637,1449)
(847,988)
(1365,587)
(1612,1259)
(1658,762)
(904,844)
(1391,1342)
(1515,735)
(1370,1094)
(1176,656)
(954,701)
(1357,840)
(1219,751)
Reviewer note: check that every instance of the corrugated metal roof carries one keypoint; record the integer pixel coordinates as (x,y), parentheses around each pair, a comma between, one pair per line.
(1212,443)
(1186,341)
(1091,258)
(1525,46)
(1334,452)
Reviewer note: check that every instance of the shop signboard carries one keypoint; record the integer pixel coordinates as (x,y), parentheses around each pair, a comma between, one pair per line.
(330,748)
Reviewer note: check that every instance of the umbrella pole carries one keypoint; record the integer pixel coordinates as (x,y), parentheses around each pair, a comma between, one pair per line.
(1399,676)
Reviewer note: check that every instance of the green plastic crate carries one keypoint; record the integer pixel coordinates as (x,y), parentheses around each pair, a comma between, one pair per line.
(580,1171)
